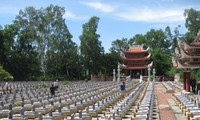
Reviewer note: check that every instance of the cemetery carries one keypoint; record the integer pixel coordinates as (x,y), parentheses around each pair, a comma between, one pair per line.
(46,75)
(101,99)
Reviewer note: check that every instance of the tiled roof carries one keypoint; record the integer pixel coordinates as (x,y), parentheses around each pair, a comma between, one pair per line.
(135,49)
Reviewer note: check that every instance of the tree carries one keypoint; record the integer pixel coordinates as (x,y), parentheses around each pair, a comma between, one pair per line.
(162,61)
(6,43)
(7,36)
(110,62)
(91,49)
(4,75)
(45,30)
(138,39)
(157,39)
(192,23)
(45,27)
(119,45)
(24,63)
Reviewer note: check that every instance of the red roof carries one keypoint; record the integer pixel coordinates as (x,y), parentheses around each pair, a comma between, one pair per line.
(195,43)
(135,49)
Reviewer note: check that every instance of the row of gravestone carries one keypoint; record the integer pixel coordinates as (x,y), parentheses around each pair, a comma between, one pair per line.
(189,105)
(177,85)
(168,86)
(42,92)
(95,101)
(33,104)
(29,94)
(187,102)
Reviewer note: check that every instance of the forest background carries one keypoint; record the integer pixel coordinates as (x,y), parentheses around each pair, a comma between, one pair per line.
(38,46)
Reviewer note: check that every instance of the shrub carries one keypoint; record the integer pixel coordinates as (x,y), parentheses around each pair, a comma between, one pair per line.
(40,86)
(86,80)
(18,103)
(67,82)
(4,75)
(44,86)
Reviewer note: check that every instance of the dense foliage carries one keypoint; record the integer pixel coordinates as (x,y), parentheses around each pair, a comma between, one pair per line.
(4,75)
(39,46)
(91,49)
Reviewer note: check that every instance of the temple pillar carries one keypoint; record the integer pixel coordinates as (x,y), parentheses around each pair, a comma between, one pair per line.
(188,81)
(141,72)
(184,80)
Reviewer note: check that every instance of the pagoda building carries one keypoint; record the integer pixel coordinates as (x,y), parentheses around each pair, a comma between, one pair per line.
(187,58)
(135,61)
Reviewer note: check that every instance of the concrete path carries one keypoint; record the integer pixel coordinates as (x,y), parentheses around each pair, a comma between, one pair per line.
(168,110)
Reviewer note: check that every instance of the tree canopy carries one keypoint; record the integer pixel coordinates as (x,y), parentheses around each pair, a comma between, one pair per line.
(39,46)
(4,75)
(91,49)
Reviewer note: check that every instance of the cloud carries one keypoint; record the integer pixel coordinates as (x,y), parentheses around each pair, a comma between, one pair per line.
(152,15)
(71,16)
(106,8)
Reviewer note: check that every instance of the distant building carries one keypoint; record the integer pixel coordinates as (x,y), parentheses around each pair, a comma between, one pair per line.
(135,61)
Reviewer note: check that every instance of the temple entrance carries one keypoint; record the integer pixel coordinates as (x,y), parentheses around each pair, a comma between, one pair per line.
(135,74)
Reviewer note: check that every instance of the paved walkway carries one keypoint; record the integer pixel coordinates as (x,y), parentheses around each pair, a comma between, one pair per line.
(168,110)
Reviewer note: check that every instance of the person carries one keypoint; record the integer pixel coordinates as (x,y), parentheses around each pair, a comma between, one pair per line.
(193,85)
(56,85)
(52,90)
(123,89)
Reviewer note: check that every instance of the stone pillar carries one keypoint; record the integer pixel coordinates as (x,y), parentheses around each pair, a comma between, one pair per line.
(114,78)
(154,74)
(188,81)
(141,78)
(184,80)
(118,73)
(149,70)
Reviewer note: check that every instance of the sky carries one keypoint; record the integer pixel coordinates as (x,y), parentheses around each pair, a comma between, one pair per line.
(118,18)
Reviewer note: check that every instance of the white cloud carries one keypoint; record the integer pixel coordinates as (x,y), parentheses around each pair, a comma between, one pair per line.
(152,15)
(69,16)
(106,8)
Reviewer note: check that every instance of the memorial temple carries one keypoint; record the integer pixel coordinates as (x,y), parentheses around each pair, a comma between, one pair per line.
(135,61)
